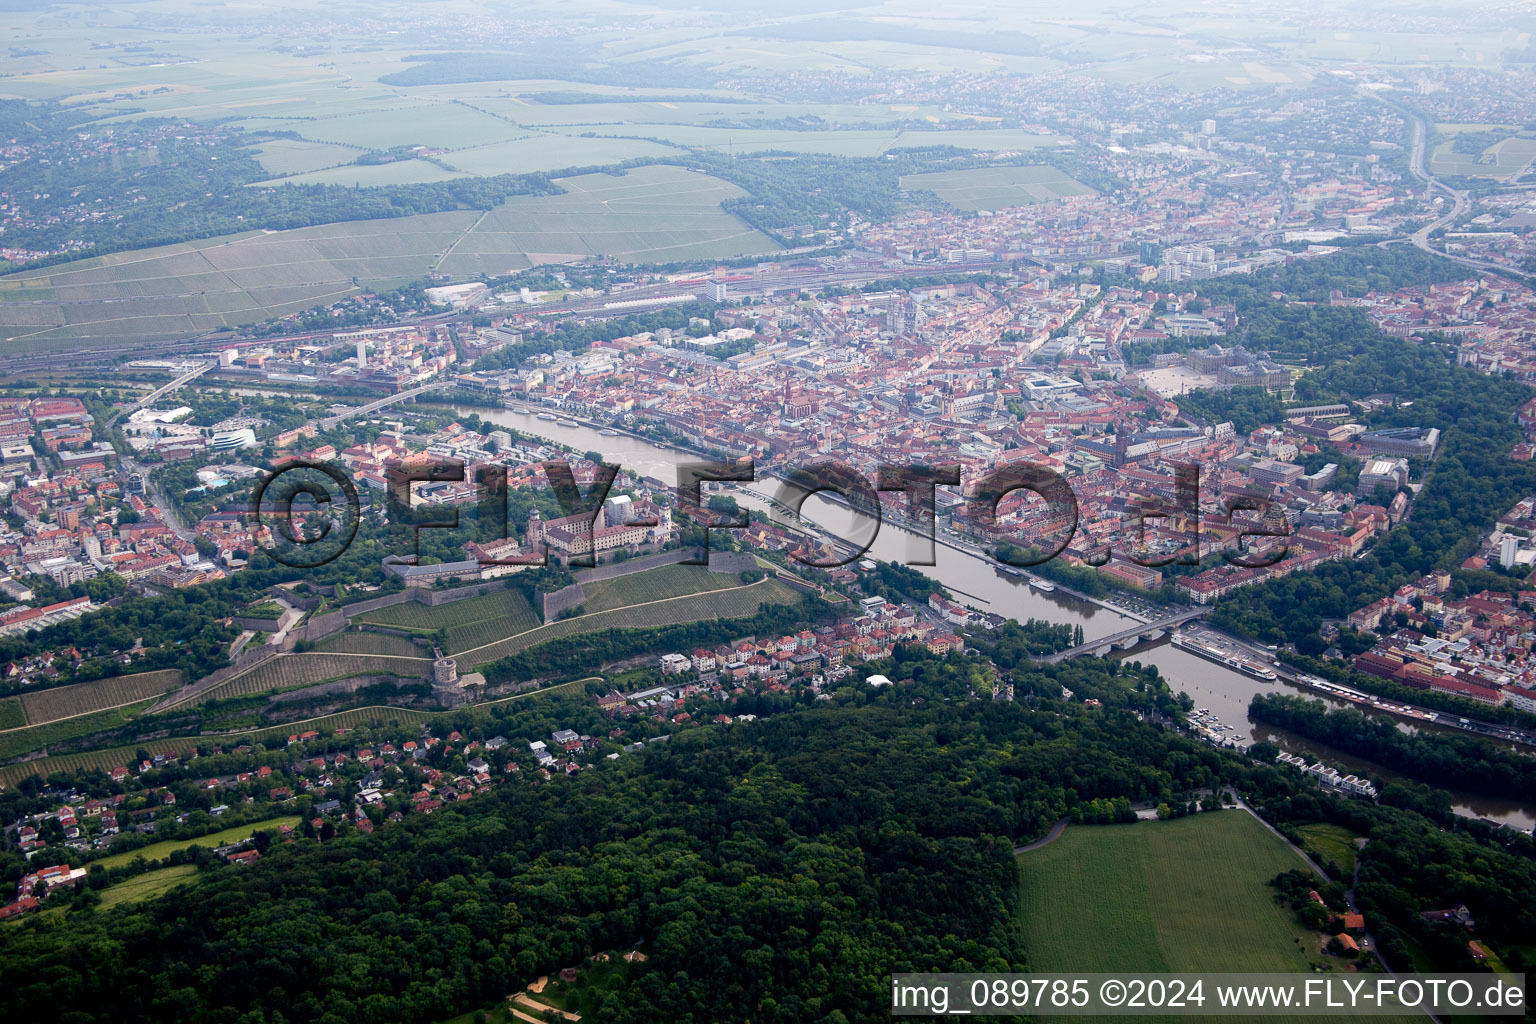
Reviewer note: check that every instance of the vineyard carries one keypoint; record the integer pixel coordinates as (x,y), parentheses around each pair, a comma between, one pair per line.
(96,760)
(370,643)
(654,585)
(35,737)
(11,715)
(291,671)
(737,603)
(125,757)
(507,609)
(82,698)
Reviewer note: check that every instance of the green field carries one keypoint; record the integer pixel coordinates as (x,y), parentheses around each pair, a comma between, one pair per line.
(995,188)
(443,125)
(1333,842)
(159,851)
(853,142)
(399,172)
(1181,895)
(298,156)
(1502,160)
(652,214)
(11,715)
(147,886)
(181,290)
(551,152)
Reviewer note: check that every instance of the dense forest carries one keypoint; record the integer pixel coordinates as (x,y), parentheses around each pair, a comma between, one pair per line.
(776,871)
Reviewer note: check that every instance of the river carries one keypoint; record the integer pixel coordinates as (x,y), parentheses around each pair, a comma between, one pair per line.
(976,581)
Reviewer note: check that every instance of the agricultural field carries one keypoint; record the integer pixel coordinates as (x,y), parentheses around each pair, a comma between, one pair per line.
(654,585)
(283,157)
(101,760)
(439,125)
(11,715)
(551,152)
(292,671)
(108,758)
(159,851)
(1503,160)
(45,706)
(995,188)
(852,142)
(370,643)
(651,214)
(181,290)
(659,213)
(398,172)
(147,886)
(1334,842)
(738,603)
(1182,895)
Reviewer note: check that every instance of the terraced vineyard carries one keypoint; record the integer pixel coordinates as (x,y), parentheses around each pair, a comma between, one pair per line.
(370,643)
(101,760)
(738,603)
(507,606)
(654,585)
(82,698)
(291,671)
(114,757)
(35,737)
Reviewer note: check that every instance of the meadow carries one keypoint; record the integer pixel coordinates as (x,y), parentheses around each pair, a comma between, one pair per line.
(147,886)
(1330,842)
(995,188)
(160,851)
(1183,895)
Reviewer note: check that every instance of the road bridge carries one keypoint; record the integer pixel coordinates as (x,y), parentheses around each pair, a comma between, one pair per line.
(1136,634)
(363,410)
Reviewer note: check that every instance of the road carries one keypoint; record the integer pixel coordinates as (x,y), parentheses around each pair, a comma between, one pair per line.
(168,513)
(363,410)
(165,389)
(1168,622)
(1459,202)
